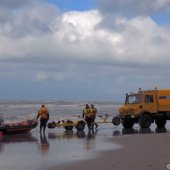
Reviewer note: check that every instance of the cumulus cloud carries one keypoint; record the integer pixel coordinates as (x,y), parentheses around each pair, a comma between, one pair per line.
(75,46)
(78,37)
(33,20)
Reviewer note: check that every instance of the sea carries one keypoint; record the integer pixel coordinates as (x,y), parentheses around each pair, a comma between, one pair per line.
(14,111)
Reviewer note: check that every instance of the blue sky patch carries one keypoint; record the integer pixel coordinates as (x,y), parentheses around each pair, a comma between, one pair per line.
(69,5)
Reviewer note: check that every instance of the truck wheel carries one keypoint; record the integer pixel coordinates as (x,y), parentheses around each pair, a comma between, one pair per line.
(160,122)
(145,121)
(127,123)
(80,125)
(116,120)
(69,127)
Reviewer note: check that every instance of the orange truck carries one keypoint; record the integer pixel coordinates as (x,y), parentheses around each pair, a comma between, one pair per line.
(146,107)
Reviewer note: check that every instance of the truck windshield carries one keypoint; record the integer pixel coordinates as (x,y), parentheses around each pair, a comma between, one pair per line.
(134,99)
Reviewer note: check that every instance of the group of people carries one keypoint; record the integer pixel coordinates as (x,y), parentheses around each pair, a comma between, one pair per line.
(89,114)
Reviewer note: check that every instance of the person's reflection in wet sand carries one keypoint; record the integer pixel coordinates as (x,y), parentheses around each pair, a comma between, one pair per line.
(91,134)
(44,144)
(90,144)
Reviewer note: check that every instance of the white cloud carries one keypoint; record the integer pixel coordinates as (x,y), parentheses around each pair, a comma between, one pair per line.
(78,37)
(80,51)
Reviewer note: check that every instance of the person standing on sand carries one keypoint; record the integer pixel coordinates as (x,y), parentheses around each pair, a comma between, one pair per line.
(87,115)
(43,113)
(94,112)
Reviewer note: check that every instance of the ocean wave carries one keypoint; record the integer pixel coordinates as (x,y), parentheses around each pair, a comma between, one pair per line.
(21,110)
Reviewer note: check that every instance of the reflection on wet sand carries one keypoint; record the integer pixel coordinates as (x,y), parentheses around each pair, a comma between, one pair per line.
(16,138)
(81,134)
(161,130)
(88,137)
(66,135)
(70,134)
(59,147)
(128,131)
(44,144)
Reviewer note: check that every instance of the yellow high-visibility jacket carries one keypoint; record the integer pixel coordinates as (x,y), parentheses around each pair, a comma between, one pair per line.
(87,112)
(43,113)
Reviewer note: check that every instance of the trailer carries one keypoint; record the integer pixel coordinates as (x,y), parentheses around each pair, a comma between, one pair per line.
(77,124)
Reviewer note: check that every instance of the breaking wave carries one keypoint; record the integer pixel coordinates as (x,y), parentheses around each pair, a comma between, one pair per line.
(14,111)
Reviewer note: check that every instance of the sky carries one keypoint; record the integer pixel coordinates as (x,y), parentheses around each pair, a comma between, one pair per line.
(76,50)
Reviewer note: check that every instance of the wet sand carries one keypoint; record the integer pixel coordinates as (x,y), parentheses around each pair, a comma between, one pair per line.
(140,152)
(107,148)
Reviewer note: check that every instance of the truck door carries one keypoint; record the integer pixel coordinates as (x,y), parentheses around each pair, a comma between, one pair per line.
(150,103)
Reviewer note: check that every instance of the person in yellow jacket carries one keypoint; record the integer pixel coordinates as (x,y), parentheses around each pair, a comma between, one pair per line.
(43,114)
(88,116)
(94,112)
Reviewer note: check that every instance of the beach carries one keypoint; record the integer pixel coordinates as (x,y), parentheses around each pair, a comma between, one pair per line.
(104,149)
(142,152)
(107,148)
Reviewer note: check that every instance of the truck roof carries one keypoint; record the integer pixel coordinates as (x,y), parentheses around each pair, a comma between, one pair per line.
(160,91)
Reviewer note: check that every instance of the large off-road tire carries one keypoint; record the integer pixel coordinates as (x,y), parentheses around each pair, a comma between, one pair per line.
(145,121)
(80,125)
(127,123)
(69,127)
(160,122)
(116,120)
